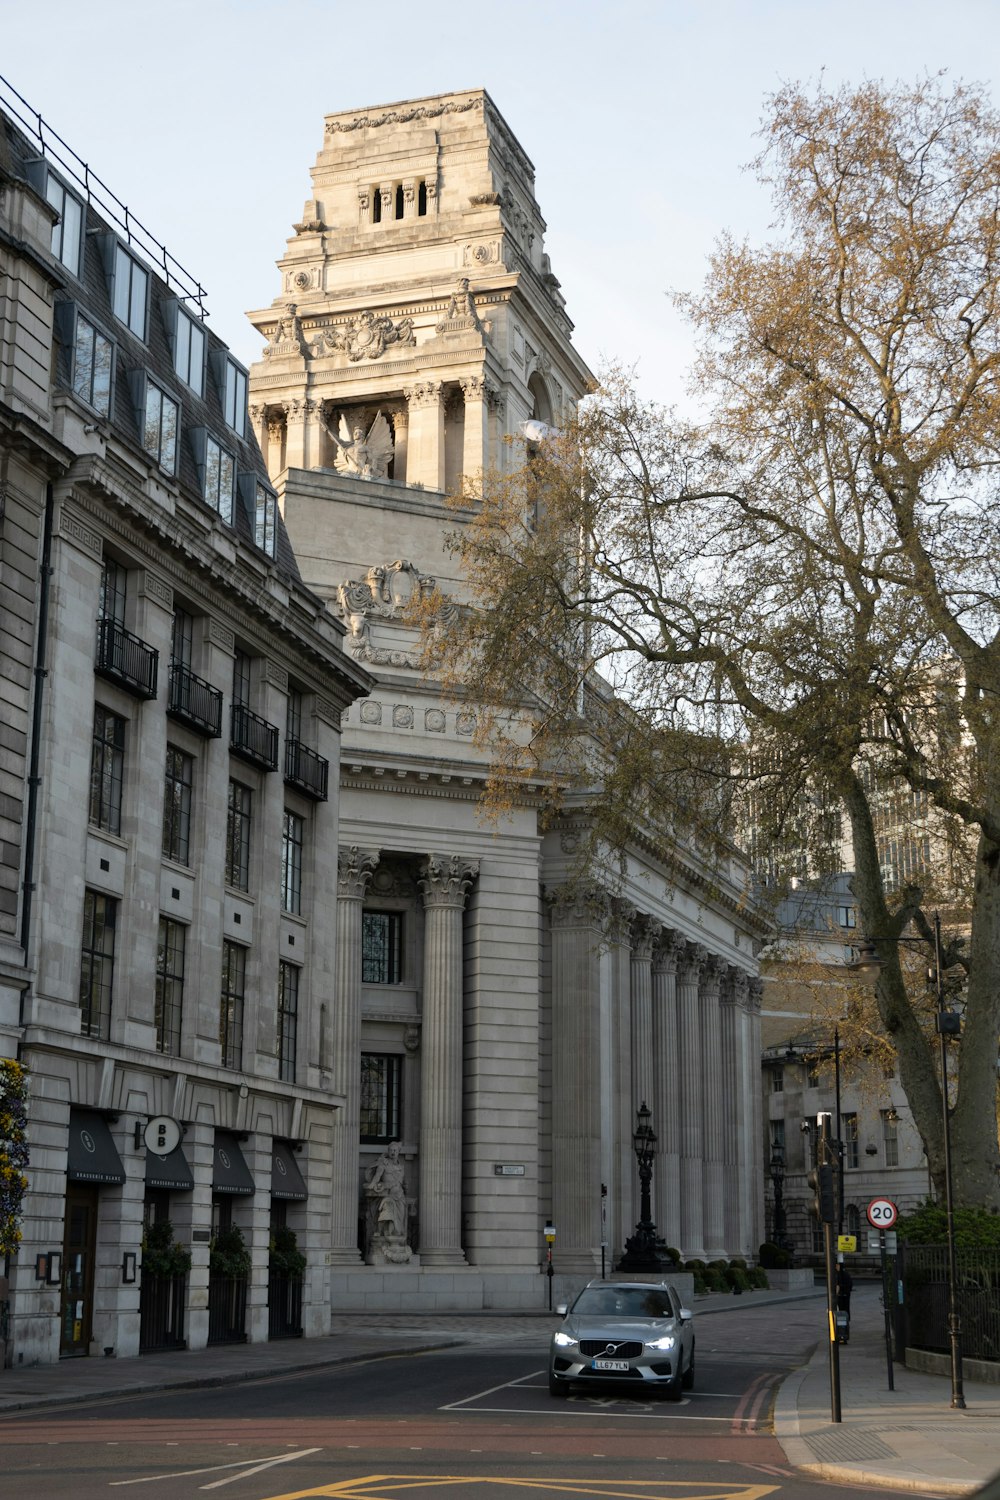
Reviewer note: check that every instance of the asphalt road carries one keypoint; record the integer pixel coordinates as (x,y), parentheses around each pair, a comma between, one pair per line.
(477,1420)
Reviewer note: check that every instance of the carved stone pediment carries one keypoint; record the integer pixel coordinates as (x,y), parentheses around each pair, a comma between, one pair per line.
(385,593)
(365,336)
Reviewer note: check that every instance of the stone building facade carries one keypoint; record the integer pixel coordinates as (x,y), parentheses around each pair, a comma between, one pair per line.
(496,1018)
(171,741)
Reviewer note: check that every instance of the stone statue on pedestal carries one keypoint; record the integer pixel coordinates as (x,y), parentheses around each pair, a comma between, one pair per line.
(386,1192)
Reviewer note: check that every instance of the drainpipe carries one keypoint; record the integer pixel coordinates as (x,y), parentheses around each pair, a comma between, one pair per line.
(34,780)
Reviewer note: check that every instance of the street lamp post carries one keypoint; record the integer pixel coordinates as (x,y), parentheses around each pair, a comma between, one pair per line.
(644,1251)
(776,1167)
(948,1023)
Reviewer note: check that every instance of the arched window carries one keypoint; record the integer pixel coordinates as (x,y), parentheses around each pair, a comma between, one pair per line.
(541,408)
(852,1219)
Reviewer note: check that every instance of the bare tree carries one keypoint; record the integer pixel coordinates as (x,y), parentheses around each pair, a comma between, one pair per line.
(808,580)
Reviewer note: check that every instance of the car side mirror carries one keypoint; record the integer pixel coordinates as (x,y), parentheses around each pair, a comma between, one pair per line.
(562,1309)
(686,1314)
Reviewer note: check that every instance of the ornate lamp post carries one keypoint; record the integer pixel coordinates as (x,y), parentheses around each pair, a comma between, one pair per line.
(644,1251)
(776,1167)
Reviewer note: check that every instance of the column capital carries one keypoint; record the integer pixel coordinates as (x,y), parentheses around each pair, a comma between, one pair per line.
(620,918)
(712,970)
(645,931)
(400,419)
(445,880)
(755,991)
(355,868)
(667,951)
(691,961)
(734,985)
(473,387)
(575,906)
(427,393)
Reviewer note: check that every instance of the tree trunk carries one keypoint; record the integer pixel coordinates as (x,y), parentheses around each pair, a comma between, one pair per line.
(975,1151)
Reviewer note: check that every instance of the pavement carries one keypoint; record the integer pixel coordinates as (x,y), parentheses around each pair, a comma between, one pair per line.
(908,1438)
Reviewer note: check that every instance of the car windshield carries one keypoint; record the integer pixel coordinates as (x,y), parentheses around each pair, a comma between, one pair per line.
(624,1302)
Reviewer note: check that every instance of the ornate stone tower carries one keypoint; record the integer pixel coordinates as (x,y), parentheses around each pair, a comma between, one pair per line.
(418,320)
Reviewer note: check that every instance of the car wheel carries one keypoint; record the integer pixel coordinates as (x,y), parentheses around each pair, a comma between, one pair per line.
(687,1379)
(673,1390)
(558,1387)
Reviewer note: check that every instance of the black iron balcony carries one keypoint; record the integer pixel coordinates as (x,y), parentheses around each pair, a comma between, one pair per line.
(194,702)
(253,738)
(123,658)
(306,770)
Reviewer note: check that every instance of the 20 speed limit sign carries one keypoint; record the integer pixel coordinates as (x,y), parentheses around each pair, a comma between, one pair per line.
(882,1213)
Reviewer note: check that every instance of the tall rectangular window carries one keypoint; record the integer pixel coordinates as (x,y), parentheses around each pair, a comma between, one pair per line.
(160,425)
(111,602)
(238,823)
(287,1020)
(178,782)
(890,1137)
(182,639)
(66,236)
(220,479)
(293,715)
(242,678)
(292,839)
(849,1139)
(92,355)
(265,520)
(234,978)
(97,967)
(131,287)
(169,986)
(235,397)
(189,352)
(381,947)
(107,768)
(381,1089)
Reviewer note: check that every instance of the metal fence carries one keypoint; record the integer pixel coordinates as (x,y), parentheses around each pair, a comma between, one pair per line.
(227,1309)
(284,1307)
(162,1301)
(922,1316)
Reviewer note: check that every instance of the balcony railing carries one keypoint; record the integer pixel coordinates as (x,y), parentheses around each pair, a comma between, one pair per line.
(306,770)
(194,702)
(123,658)
(253,738)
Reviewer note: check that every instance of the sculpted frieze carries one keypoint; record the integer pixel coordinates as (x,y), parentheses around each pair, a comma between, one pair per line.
(365,336)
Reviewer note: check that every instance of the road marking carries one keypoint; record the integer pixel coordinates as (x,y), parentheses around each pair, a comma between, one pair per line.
(268,1463)
(379,1486)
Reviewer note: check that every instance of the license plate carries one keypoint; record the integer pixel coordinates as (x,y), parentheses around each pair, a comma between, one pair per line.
(610,1364)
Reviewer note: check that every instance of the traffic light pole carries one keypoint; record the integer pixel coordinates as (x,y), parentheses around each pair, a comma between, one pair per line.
(827,1216)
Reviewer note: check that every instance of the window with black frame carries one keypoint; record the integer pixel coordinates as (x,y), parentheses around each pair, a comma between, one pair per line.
(381,947)
(381,1091)
(107,769)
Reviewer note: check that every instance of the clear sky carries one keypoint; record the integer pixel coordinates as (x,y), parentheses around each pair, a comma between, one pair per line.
(205,117)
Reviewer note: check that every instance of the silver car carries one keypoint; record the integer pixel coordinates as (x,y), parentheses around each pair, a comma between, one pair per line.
(633,1333)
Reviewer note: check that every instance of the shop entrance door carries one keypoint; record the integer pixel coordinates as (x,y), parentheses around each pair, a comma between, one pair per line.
(79,1249)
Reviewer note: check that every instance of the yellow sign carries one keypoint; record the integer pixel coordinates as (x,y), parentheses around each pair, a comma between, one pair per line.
(847,1242)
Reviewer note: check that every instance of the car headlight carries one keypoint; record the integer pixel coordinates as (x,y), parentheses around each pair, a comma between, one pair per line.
(667,1342)
(563,1340)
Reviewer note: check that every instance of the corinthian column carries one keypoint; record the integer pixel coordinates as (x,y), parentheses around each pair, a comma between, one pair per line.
(715,1109)
(577,1095)
(645,930)
(476,430)
(665,1101)
(354,871)
(425,448)
(689,1080)
(400,431)
(732,996)
(444,884)
(753,1165)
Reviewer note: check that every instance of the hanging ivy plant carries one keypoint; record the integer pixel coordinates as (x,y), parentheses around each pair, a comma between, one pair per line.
(161,1254)
(13,1152)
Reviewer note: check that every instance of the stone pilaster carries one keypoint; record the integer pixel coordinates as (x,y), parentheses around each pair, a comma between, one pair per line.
(354,871)
(444,885)
(425,454)
(716,1115)
(689,1075)
(752,1168)
(577,932)
(303,435)
(476,431)
(623,1185)
(665,1101)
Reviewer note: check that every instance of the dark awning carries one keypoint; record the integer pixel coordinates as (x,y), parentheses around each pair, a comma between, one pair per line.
(286,1179)
(230,1173)
(93,1156)
(171,1171)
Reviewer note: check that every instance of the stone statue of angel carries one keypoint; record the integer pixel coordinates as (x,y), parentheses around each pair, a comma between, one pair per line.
(367,456)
